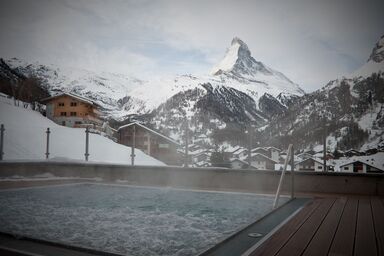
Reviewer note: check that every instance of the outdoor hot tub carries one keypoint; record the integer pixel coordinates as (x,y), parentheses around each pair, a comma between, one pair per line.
(129,220)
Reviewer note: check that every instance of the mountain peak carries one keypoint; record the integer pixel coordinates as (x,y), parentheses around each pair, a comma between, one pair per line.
(239,63)
(377,54)
(242,48)
(237,50)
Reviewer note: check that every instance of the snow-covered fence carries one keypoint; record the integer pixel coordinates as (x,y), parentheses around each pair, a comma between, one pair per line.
(47,153)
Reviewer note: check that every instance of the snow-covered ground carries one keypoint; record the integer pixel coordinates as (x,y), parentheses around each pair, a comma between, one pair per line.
(25,139)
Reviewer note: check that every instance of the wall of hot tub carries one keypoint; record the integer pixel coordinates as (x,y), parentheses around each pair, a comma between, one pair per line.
(205,178)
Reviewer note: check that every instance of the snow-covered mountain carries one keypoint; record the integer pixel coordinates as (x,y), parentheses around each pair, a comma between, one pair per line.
(353,107)
(238,64)
(122,95)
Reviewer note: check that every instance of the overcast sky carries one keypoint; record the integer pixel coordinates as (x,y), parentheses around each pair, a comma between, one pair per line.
(312,42)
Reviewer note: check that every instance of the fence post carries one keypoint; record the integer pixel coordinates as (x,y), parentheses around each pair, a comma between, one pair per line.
(47,145)
(249,146)
(2,141)
(86,143)
(186,143)
(133,145)
(292,173)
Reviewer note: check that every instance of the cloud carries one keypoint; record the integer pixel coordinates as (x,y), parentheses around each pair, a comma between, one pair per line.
(312,42)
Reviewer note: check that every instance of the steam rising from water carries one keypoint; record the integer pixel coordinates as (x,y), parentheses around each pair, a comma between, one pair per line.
(129,220)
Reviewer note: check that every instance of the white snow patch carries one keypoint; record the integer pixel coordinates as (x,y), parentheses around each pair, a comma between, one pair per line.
(229,60)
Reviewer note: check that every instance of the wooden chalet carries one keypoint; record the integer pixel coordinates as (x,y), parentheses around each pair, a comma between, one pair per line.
(358,166)
(238,164)
(72,110)
(150,142)
(310,164)
(262,162)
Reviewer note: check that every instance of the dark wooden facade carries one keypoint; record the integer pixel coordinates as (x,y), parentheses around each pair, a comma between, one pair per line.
(150,142)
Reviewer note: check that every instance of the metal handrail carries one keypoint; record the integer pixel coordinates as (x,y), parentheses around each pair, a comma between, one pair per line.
(289,157)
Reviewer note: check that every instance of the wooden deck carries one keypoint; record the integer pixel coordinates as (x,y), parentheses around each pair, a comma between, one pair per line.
(331,226)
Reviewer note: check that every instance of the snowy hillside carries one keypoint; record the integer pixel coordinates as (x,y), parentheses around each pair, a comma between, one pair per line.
(238,70)
(352,108)
(122,95)
(25,139)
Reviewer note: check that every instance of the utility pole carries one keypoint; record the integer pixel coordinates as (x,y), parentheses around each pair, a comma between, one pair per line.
(2,129)
(186,143)
(133,145)
(47,145)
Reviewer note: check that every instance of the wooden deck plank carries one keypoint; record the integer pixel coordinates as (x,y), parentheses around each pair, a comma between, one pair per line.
(299,241)
(322,239)
(365,240)
(378,221)
(343,241)
(278,239)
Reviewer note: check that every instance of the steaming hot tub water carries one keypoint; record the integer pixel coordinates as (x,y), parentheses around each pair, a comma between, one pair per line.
(127,219)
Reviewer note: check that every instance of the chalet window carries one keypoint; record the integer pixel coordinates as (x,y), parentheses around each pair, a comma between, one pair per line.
(319,167)
(73,104)
(73,114)
(61,104)
(63,113)
(77,122)
(163,145)
(346,168)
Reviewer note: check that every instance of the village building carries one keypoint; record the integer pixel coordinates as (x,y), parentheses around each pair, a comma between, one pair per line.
(260,150)
(352,152)
(320,155)
(274,153)
(262,162)
(72,110)
(358,166)
(201,157)
(303,156)
(238,164)
(241,153)
(150,142)
(311,164)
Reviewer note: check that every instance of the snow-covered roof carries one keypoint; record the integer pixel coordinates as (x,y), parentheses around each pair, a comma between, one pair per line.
(150,130)
(307,155)
(314,159)
(263,156)
(352,151)
(239,150)
(376,161)
(259,148)
(237,160)
(72,95)
(366,163)
(277,149)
